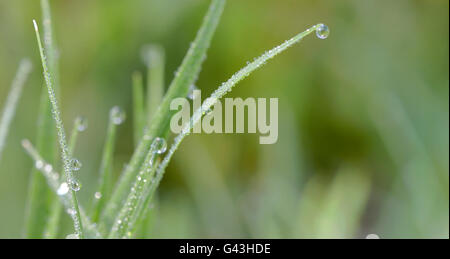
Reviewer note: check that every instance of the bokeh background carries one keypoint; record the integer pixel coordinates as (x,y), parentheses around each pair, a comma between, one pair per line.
(363,116)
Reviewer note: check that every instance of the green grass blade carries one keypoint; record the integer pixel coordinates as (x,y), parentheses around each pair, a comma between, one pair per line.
(216,95)
(51,230)
(65,156)
(49,43)
(155,58)
(54,182)
(124,221)
(12,100)
(138,106)
(40,197)
(104,187)
(185,76)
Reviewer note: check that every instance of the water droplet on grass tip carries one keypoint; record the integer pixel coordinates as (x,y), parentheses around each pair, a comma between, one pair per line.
(117,115)
(75,164)
(322,31)
(160,145)
(63,189)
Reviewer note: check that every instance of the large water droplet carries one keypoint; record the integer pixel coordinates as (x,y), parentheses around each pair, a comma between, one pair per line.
(160,145)
(74,185)
(75,164)
(117,115)
(322,31)
(63,189)
(98,195)
(82,123)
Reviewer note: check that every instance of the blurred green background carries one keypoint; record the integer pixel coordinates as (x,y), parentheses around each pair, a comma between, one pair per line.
(363,141)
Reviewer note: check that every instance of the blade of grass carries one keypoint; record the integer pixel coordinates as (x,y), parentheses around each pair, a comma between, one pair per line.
(124,222)
(11,101)
(138,106)
(154,56)
(104,186)
(40,196)
(65,156)
(159,126)
(54,182)
(51,230)
(209,102)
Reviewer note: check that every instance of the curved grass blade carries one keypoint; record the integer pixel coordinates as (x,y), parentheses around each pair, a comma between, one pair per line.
(159,126)
(65,155)
(209,102)
(53,180)
(12,99)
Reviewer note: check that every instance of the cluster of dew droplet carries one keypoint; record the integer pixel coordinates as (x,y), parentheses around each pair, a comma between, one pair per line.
(122,225)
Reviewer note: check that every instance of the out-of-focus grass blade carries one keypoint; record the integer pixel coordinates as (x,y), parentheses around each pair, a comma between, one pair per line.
(159,126)
(138,106)
(12,99)
(155,59)
(105,182)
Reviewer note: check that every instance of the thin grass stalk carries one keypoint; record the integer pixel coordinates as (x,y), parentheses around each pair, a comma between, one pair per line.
(105,181)
(155,58)
(11,101)
(40,197)
(65,155)
(138,106)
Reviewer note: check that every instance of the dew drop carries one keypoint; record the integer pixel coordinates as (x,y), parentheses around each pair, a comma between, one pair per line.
(74,185)
(75,164)
(322,31)
(82,123)
(48,168)
(71,212)
(39,164)
(117,115)
(160,145)
(98,195)
(63,189)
